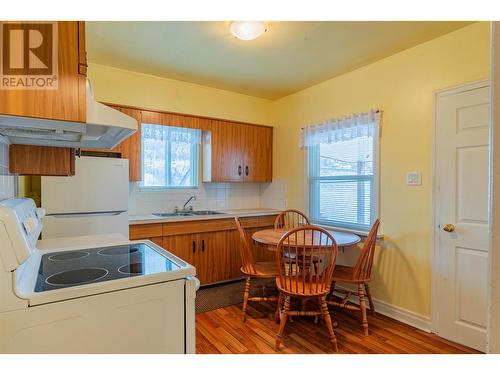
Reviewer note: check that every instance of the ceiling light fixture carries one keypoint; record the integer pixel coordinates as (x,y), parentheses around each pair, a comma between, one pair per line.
(247,30)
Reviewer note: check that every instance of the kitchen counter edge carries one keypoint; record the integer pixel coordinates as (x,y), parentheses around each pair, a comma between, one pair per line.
(225,214)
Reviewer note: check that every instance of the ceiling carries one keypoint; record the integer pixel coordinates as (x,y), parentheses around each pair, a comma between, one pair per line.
(289,57)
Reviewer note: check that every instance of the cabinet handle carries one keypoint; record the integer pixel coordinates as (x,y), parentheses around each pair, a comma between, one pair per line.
(239,170)
(246,170)
(203,245)
(194,247)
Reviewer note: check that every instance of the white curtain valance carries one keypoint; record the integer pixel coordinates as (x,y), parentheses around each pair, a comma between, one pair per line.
(171,133)
(341,129)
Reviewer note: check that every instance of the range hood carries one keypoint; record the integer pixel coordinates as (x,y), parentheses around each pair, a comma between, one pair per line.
(105,128)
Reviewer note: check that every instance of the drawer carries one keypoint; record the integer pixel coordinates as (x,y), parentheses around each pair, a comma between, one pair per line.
(143,231)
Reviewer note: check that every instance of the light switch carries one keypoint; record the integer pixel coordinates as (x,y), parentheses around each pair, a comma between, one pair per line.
(413,178)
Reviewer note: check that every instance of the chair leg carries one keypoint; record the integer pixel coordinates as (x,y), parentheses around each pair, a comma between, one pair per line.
(362,305)
(316,318)
(328,321)
(278,308)
(370,300)
(283,319)
(332,289)
(246,293)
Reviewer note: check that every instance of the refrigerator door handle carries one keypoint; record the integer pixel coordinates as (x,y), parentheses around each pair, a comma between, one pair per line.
(86,214)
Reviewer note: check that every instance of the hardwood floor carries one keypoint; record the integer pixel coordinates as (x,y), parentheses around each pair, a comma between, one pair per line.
(222,331)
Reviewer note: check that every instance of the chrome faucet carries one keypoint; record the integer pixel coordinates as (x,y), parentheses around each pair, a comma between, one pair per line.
(192,197)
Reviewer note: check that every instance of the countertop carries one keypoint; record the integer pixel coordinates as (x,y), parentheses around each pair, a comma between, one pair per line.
(149,219)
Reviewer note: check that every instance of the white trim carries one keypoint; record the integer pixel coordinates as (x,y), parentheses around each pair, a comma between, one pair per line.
(380,236)
(395,312)
(434,230)
(403,315)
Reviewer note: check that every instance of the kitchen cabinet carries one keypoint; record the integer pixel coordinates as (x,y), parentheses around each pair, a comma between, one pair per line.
(236,152)
(68,101)
(212,245)
(239,153)
(45,161)
(258,159)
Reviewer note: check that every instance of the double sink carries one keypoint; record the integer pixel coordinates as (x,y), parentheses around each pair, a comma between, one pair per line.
(187,213)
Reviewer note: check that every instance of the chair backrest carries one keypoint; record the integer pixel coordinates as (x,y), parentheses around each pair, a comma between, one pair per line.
(305,259)
(363,268)
(290,219)
(247,259)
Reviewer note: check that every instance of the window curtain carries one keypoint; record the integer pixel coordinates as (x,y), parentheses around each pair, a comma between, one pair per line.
(171,134)
(357,125)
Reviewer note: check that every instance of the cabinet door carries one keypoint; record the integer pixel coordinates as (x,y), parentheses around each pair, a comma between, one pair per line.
(213,257)
(130,148)
(183,246)
(227,152)
(258,146)
(67,102)
(41,161)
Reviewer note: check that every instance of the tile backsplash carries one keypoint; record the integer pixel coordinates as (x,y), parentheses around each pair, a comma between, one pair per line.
(7,182)
(209,196)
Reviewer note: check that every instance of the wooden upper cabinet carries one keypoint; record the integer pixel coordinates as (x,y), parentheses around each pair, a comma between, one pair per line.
(258,161)
(82,51)
(226,152)
(37,160)
(68,101)
(241,153)
(130,148)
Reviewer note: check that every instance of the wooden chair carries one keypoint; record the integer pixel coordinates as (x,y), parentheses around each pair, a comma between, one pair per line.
(290,219)
(359,275)
(252,269)
(299,278)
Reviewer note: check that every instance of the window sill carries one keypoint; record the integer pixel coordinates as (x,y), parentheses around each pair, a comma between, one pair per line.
(380,236)
(160,188)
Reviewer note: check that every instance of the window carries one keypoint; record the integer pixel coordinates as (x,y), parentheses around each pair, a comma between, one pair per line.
(342,171)
(169,156)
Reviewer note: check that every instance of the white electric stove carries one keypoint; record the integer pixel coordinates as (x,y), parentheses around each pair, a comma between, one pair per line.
(90,294)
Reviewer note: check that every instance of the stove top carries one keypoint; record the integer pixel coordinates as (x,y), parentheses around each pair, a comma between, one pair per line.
(71,268)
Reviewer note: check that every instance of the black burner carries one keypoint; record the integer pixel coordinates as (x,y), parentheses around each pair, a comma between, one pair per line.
(131,269)
(69,255)
(121,250)
(79,276)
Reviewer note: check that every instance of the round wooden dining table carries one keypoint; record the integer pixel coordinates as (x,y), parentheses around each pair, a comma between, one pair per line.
(270,238)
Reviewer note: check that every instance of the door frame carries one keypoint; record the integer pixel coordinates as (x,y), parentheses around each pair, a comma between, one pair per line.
(467,86)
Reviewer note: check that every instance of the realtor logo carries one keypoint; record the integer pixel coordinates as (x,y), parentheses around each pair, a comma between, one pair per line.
(28,56)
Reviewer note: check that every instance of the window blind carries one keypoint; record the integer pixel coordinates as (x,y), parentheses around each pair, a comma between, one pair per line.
(342,178)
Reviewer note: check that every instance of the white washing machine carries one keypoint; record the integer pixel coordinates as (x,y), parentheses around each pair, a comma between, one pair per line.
(90,294)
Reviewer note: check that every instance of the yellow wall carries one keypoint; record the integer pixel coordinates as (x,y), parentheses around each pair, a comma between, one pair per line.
(125,87)
(402,86)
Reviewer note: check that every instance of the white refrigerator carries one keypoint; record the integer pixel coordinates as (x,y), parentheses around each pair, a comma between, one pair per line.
(93,201)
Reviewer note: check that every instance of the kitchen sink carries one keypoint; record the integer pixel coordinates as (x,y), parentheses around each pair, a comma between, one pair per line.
(173,214)
(206,212)
(190,213)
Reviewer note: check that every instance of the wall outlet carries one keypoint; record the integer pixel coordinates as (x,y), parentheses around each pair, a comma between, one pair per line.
(413,178)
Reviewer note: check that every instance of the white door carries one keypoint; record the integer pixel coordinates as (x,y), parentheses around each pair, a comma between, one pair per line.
(461,264)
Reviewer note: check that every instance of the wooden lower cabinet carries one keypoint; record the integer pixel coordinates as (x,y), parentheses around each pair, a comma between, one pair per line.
(214,250)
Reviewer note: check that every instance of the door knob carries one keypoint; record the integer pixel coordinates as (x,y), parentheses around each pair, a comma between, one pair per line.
(449,228)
